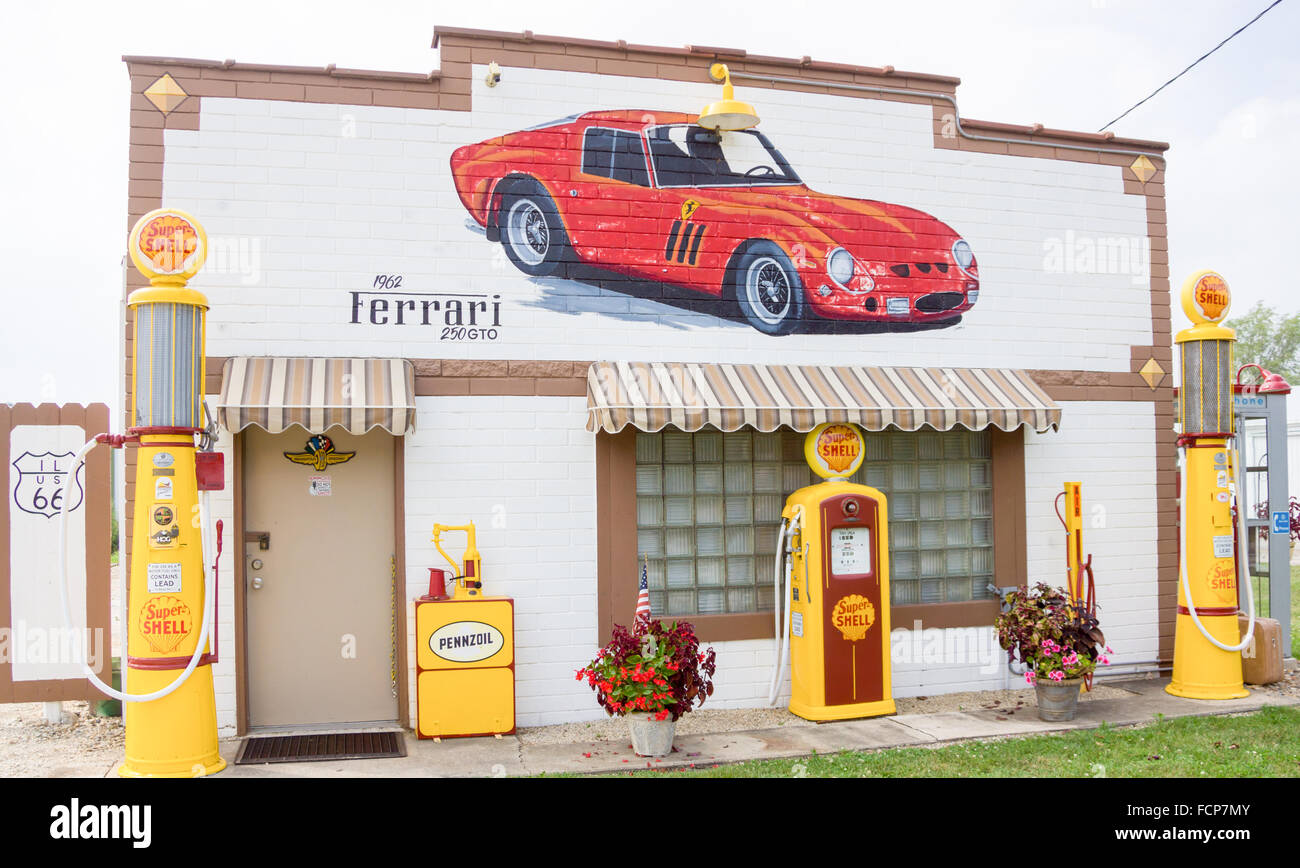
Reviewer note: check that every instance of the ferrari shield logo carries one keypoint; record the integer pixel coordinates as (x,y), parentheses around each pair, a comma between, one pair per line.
(688,208)
(41,477)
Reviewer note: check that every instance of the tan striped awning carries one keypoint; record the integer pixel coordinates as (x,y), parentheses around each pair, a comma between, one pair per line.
(651,395)
(356,394)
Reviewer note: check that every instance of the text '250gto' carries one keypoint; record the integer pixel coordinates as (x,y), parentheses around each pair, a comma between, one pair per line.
(657,197)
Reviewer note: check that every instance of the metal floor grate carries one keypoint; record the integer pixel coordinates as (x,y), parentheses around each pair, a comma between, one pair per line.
(314,747)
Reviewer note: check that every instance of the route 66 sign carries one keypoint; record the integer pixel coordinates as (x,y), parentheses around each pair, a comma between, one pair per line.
(41,477)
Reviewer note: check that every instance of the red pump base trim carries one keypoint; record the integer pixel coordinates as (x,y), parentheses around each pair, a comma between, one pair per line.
(1210,612)
(160,663)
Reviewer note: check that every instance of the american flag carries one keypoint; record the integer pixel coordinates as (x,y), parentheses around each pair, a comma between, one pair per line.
(643,594)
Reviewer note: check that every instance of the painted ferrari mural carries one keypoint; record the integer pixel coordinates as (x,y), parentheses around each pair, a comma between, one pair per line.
(656,197)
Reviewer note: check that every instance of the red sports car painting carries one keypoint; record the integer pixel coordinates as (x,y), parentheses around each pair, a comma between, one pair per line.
(657,197)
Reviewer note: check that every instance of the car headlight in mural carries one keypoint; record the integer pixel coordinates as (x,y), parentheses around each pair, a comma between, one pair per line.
(656,197)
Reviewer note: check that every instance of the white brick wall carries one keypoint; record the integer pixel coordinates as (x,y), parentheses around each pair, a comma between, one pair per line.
(305,203)
(323,198)
(223,508)
(533,503)
(1110,448)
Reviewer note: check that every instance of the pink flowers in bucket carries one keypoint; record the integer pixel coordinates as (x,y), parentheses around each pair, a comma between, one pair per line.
(1052,635)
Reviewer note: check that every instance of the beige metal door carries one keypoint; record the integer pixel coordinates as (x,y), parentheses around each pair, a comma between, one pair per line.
(319,595)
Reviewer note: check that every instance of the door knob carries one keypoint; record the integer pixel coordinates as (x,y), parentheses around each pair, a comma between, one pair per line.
(257,582)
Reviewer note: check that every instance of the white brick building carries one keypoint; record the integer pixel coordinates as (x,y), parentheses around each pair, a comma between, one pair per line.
(319,186)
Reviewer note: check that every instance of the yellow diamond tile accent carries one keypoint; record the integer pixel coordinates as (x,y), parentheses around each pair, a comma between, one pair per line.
(165,93)
(1143,168)
(1152,373)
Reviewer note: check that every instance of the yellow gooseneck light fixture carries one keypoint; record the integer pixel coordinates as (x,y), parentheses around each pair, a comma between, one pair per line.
(727,113)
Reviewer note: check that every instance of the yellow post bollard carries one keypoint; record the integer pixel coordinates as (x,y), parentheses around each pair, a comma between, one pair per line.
(174,735)
(1207,587)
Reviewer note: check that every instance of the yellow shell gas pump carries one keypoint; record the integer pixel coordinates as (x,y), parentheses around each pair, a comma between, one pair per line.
(171,723)
(833,615)
(1207,636)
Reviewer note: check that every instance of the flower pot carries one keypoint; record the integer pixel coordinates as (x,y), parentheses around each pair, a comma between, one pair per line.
(1058,700)
(651,737)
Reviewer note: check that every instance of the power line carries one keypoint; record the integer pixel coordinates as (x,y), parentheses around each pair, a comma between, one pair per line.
(1198,60)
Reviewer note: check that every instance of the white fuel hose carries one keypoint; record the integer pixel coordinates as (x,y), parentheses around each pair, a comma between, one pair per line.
(1242,577)
(67,611)
(781,638)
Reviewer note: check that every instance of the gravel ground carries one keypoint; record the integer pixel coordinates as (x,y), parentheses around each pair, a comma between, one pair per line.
(82,745)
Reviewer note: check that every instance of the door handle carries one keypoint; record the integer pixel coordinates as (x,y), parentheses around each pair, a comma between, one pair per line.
(257,583)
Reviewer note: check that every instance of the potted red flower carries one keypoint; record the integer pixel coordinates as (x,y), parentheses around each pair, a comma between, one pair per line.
(651,676)
(1059,643)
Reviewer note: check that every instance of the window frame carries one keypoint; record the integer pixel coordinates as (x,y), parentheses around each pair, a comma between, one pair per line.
(615,132)
(617,566)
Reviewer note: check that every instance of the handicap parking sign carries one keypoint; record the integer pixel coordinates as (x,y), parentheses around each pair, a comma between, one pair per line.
(1281,522)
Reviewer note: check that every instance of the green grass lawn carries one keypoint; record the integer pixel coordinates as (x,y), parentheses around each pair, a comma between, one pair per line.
(1262,744)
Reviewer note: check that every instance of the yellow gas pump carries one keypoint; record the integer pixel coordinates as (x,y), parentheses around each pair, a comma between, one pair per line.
(170,719)
(1207,638)
(833,615)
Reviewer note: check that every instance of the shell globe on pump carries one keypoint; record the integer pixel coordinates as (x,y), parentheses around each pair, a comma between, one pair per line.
(833,613)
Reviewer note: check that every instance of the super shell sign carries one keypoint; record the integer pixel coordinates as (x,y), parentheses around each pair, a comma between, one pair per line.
(834,450)
(168,244)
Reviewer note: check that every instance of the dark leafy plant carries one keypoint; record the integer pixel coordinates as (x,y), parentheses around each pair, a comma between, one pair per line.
(1053,637)
(654,667)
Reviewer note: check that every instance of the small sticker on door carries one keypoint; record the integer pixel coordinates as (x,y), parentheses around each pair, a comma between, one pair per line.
(162,488)
(320,486)
(1223,546)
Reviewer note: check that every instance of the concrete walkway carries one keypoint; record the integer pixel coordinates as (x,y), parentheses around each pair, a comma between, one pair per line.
(507,756)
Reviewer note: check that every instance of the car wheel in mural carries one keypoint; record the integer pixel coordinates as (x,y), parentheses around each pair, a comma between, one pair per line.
(768,289)
(655,197)
(532,232)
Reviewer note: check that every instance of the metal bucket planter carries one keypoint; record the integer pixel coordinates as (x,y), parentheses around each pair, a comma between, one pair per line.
(651,737)
(1058,700)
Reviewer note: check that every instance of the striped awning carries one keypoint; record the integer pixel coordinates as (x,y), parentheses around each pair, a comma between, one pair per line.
(652,395)
(356,394)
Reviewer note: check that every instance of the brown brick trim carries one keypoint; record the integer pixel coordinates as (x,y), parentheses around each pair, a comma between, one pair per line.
(1010,540)
(976,613)
(622,58)
(616,567)
(446,89)
(401,629)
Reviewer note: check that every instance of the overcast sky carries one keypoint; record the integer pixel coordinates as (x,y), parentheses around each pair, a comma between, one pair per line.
(1233,121)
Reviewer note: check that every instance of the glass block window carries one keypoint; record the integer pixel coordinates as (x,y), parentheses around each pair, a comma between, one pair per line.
(940,490)
(709,509)
(708,512)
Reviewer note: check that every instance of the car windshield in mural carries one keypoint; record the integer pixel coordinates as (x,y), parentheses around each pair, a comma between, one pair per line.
(657,198)
(685,155)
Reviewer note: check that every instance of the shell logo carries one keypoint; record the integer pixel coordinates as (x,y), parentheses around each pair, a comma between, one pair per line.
(168,243)
(853,616)
(834,449)
(1206,297)
(165,621)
